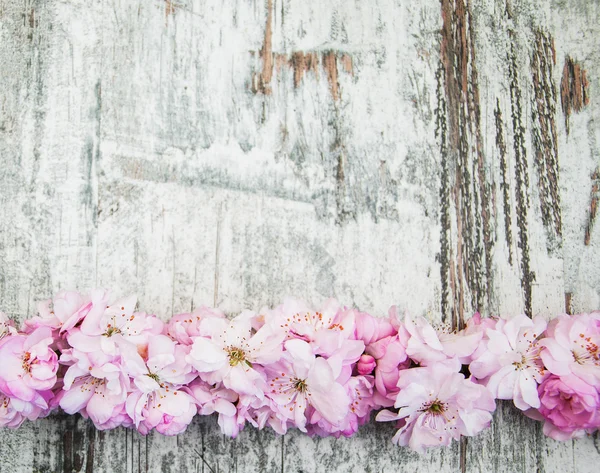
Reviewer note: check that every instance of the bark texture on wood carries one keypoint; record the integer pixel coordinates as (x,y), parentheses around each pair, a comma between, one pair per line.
(232,152)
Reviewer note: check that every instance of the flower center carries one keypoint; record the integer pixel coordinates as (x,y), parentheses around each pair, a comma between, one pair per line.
(154,377)
(237,356)
(435,407)
(111,330)
(299,385)
(26,363)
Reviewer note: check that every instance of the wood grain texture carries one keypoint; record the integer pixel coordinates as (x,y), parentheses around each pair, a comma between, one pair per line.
(232,152)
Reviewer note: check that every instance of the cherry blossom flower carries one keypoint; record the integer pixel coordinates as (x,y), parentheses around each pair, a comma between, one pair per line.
(115,325)
(437,404)
(322,371)
(28,366)
(156,400)
(511,366)
(362,402)
(67,309)
(182,327)
(302,384)
(572,346)
(219,399)
(9,415)
(390,356)
(167,410)
(330,331)
(95,385)
(428,345)
(7,326)
(231,353)
(569,406)
(370,329)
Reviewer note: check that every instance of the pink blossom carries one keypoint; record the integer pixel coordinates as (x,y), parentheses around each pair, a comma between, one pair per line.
(511,366)
(572,346)
(437,404)
(219,399)
(114,326)
(156,401)
(330,330)
(362,402)
(570,407)
(9,416)
(370,329)
(182,327)
(164,408)
(163,362)
(390,355)
(119,418)
(14,411)
(28,366)
(7,326)
(231,353)
(478,324)
(302,384)
(428,345)
(262,412)
(67,309)
(95,386)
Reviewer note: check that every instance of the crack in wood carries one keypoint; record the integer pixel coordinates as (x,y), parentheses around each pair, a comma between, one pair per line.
(504,180)
(545,141)
(521,175)
(594,197)
(574,93)
(444,192)
(463,158)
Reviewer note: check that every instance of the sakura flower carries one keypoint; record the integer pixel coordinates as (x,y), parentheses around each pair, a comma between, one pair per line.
(114,326)
(231,353)
(164,361)
(94,386)
(362,402)
(428,345)
(437,404)
(14,411)
(9,416)
(7,326)
(302,385)
(511,366)
(261,412)
(156,401)
(167,410)
(390,357)
(329,330)
(569,406)
(370,329)
(28,366)
(67,309)
(211,399)
(572,346)
(182,327)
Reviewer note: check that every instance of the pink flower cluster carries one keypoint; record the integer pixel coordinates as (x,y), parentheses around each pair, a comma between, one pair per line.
(320,371)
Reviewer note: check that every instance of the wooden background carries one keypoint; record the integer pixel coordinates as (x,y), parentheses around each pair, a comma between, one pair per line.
(440,155)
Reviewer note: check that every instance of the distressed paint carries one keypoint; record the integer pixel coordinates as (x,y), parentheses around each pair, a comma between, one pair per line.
(231,152)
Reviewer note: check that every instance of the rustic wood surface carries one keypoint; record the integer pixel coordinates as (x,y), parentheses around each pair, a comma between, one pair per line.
(440,155)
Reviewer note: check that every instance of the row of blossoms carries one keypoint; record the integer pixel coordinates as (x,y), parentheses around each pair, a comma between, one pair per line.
(322,371)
